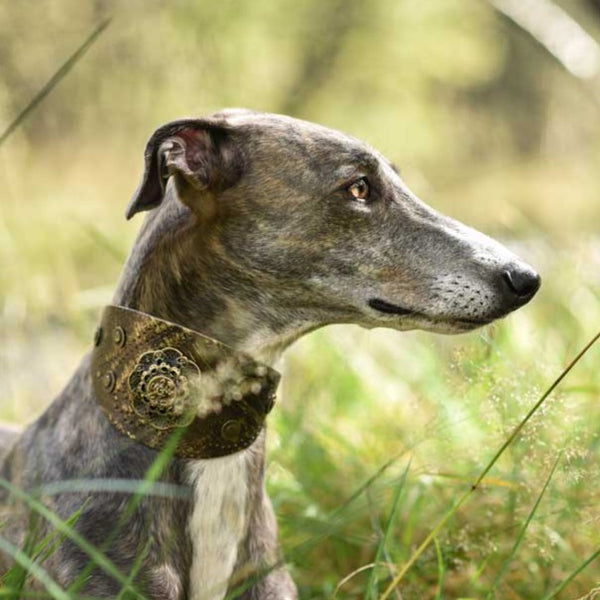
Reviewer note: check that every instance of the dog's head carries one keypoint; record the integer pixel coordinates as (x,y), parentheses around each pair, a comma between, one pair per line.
(324,226)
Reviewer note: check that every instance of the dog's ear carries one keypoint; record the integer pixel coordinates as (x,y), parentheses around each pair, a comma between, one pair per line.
(200,152)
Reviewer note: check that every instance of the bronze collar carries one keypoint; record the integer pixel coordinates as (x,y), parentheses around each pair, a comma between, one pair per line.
(154,378)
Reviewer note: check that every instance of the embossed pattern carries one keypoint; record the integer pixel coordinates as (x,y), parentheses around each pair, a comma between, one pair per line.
(161,388)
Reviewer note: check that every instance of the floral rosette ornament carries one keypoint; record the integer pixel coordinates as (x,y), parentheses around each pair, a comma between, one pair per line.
(162,387)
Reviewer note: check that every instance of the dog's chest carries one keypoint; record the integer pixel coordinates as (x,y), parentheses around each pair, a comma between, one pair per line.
(218,522)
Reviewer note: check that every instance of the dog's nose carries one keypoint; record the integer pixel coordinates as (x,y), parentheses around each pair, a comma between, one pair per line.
(522,281)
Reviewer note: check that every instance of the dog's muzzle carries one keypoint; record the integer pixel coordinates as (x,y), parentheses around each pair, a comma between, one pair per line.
(158,381)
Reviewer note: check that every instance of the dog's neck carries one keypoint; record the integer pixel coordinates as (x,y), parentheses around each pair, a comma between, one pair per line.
(175,272)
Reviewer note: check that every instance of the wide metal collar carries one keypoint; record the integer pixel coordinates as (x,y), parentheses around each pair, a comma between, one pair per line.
(155,379)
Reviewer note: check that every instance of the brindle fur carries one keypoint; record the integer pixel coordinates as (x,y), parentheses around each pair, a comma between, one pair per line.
(254,242)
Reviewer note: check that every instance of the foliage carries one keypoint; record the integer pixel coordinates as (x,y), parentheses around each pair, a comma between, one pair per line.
(377,434)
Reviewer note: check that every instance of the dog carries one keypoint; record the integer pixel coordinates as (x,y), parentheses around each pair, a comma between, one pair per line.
(260,229)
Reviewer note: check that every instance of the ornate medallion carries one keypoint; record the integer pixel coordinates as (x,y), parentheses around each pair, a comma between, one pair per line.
(163,386)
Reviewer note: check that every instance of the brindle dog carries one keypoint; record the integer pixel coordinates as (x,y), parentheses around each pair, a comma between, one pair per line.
(261,228)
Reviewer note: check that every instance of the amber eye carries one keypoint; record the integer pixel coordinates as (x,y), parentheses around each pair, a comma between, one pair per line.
(360,189)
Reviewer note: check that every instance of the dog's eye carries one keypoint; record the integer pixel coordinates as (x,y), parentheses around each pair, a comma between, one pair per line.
(360,189)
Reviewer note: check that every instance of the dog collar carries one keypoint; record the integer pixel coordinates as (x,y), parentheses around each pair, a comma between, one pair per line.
(155,379)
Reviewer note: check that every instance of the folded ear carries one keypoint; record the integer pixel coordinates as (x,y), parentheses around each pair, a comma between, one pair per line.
(200,152)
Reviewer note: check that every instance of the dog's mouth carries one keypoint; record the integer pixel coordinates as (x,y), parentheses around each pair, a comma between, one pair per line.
(389,309)
(394,309)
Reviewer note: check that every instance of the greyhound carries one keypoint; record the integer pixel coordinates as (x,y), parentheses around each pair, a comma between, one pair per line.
(261,228)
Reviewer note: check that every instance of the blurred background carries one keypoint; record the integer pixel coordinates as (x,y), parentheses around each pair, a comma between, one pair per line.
(491,110)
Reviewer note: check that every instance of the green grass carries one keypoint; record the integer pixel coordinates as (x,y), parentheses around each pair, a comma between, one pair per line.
(453,430)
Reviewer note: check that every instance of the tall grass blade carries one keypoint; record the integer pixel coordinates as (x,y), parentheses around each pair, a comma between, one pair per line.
(38,572)
(372,588)
(466,495)
(563,584)
(441,569)
(364,486)
(55,79)
(127,486)
(15,578)
(333,523)
(521,535)
(144,487)
(98,557)
(135,569)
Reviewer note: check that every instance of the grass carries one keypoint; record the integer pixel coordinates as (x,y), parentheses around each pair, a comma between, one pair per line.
(476,542)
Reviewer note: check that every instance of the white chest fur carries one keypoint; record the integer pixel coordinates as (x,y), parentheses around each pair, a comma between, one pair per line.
(218,522)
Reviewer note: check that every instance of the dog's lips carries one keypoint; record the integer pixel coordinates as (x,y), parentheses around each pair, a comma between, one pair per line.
(390,309)
(394,309)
